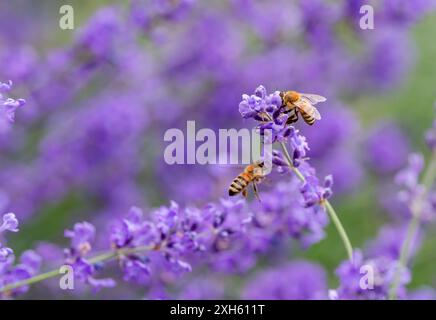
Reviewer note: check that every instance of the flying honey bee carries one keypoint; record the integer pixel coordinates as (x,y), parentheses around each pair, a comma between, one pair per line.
(253,173)
(303,103)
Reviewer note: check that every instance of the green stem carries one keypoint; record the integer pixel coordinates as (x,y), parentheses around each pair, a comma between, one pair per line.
(340,228)
(416,208)
(106,256)
(330,210)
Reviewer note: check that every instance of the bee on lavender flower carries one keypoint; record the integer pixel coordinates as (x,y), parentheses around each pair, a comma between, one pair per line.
(303,103)
(253,173)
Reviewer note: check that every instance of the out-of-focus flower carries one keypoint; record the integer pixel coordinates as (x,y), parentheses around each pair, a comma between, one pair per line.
(202,289)
(389,240)
(297,280)
(147,13)
(430,137)
(413,191)
(387,148)
(422,293)
(404,12)
(99,34)
(345,166)
(368,278)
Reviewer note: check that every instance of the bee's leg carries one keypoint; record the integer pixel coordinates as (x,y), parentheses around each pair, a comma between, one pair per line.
(256,193)
(244,193)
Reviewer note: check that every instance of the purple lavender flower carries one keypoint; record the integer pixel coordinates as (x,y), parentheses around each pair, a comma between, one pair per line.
(27,267)
(284,209)
(300,280)
(8,106)
(10,223)
(82,236)
(354,286)
(29,263)
(313,193)
(5,252)
(166,239)
(260,104)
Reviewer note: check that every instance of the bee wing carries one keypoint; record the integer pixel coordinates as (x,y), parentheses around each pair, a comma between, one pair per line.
(316,113)
(313,98)
(306,107)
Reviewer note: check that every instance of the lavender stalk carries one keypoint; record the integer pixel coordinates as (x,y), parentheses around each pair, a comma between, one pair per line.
(104,257)
(416,209)
(331,211)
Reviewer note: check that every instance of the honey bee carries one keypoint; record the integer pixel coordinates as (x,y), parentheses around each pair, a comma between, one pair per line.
(253,173)
(303,103)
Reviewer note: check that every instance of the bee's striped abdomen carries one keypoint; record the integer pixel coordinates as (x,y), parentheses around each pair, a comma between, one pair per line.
(238,184)
(309,119)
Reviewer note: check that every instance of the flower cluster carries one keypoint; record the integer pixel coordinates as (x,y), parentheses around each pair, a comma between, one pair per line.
(29,263)
(227,236)
(380,275)
(266,108)
(82,236)
(370,275)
